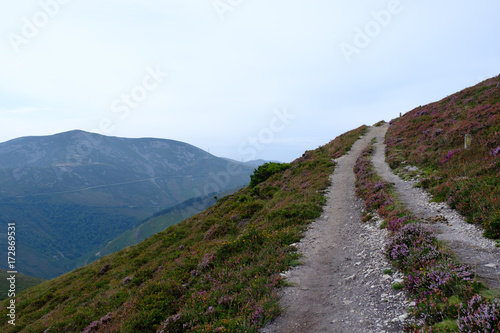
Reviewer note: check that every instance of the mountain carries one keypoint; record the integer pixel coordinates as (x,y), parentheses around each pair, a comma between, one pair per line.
(252,163)
(230,254)
(152,225)
(71,192)
(221,270)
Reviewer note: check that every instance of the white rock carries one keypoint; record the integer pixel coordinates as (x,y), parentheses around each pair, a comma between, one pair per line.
(352,277)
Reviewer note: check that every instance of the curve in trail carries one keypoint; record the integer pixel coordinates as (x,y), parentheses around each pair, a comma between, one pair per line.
(340,287)
(464,239)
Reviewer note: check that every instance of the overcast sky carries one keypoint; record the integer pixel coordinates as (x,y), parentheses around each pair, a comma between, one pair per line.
(242,79)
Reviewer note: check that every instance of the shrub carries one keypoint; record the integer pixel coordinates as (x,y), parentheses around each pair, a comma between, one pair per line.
(480,315)
(265,171)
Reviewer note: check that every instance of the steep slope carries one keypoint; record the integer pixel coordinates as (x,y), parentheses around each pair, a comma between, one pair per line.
(23,282)
(217,271)
(73,191)
(156,223)
(433,138)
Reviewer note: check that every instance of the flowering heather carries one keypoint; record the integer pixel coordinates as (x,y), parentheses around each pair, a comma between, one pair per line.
(218,271)
(495,152)
(480,315)
(436,282)
(377,193)
(448,157)
(432,138)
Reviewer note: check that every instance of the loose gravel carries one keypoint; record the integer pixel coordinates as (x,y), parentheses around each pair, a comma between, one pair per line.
(464,239)
(341,285)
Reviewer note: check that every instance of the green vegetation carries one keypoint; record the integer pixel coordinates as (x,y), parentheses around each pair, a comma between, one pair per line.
(265,171)
(23,282)
(380,123)
(397,286)
(218,271)
(432,138)
(158,222)
(446,295)
(74,191)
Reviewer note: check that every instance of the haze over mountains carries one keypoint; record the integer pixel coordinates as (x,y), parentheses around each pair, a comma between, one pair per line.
(71,192)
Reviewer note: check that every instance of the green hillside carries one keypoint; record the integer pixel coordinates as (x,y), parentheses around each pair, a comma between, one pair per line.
(23,282)
(72,192)
(218,270)
(158,222)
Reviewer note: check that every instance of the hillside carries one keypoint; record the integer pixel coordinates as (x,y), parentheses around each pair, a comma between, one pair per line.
(74,191)
(432,137)
(219,268)
(152,225)
(23,282)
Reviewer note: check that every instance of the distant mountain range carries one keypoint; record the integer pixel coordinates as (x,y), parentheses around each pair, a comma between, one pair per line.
(71,192)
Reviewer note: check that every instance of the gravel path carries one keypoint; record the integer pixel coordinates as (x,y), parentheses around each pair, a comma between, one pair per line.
(464,239)
(341,286)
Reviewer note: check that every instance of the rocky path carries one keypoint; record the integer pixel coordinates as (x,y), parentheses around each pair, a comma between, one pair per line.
(341,286)
(464,239)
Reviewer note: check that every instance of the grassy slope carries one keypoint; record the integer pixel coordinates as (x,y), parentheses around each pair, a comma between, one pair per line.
(151,226)
(432,277)
(432,138)
(215,272)
(23,282)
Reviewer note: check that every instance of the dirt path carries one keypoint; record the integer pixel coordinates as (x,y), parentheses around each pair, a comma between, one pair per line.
(341,286)
(464,239)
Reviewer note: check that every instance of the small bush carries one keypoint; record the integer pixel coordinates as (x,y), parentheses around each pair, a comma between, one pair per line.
(397,286)
(480,315)
(265,171)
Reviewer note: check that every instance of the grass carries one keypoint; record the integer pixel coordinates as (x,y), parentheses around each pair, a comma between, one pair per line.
(397,286)
(439,284)
(432,138)
(23,282)
(218,271)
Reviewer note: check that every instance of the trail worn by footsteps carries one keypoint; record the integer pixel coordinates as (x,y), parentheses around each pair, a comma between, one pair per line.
(464,239)
(341,286)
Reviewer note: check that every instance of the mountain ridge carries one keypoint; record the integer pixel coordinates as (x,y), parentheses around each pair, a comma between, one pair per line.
(222,270)
(58,183)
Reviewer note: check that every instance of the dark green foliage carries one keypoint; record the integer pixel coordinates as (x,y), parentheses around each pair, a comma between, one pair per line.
(76,191)
(265,171)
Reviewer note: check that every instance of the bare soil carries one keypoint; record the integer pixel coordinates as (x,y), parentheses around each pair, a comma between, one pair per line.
(340,287)
(464,239)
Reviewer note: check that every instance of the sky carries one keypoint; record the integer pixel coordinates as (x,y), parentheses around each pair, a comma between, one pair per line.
(243,79)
